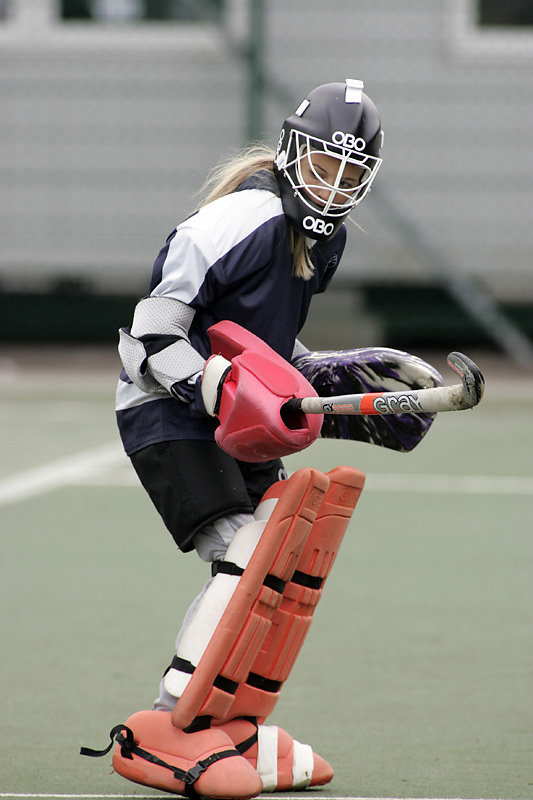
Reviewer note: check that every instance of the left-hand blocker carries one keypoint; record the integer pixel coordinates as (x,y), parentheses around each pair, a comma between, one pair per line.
(253,426)
(370,369)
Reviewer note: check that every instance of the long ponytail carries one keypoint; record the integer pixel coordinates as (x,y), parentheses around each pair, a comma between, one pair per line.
(229,174)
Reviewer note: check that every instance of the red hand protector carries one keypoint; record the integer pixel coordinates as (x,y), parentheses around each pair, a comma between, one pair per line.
(252,425)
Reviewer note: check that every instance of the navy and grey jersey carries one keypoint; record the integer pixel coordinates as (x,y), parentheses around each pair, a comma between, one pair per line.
(231,260)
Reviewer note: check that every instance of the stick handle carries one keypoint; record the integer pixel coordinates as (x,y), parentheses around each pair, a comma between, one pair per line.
(423,401)
(417,401)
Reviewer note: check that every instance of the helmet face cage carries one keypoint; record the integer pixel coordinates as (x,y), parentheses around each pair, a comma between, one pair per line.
(327,157)
(327,199)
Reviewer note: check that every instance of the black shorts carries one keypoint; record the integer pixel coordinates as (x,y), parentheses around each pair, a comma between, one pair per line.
(194,482)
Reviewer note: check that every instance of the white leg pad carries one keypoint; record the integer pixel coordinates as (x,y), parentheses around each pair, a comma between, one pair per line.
(302,765)
(267,756)
(233,618)
(211,607)
(265,508)
(267,760)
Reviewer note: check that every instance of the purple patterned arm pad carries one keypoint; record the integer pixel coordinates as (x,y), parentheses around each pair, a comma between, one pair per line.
(370,369)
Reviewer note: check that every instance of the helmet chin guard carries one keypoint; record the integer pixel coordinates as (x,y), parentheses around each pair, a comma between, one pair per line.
(339,122)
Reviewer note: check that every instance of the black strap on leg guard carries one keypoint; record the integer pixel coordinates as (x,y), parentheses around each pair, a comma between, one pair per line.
(201,723)
(128,748)
(229,568)
(309,581)
(87,751)
(242,747)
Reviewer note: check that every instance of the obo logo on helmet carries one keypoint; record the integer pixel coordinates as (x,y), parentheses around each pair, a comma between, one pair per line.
(318,226)
(348,140)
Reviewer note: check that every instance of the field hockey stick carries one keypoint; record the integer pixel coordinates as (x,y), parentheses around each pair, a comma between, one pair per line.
(458,397)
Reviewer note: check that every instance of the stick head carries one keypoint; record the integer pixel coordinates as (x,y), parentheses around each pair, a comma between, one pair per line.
(473,382)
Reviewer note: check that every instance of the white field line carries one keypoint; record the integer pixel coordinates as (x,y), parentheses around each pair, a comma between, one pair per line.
(458,484)
(383,482)
(98,467)
(60,472)
(273,795)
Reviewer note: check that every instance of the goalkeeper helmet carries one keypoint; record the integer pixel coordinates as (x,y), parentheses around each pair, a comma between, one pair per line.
(328,154)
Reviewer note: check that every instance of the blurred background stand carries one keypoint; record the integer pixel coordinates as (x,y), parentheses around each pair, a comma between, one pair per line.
(113,112)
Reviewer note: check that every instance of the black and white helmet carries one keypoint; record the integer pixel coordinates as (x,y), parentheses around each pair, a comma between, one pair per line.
(337,125)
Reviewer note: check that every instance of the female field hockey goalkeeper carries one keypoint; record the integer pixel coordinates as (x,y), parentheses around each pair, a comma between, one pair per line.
(210,358)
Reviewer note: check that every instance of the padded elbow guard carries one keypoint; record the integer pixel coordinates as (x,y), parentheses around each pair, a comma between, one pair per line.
(156,353)
(370,369)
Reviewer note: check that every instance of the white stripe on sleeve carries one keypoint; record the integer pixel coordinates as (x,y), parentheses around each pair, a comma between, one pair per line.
(209,235)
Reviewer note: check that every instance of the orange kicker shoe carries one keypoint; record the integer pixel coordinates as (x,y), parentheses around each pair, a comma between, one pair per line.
(205,764)
(281,762)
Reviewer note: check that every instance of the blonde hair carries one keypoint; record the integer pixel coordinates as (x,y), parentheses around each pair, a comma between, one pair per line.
(229,174)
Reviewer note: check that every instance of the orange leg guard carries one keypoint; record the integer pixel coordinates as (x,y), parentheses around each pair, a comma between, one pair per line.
(152,752)
(276,574)
(258,695)
(233,644)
